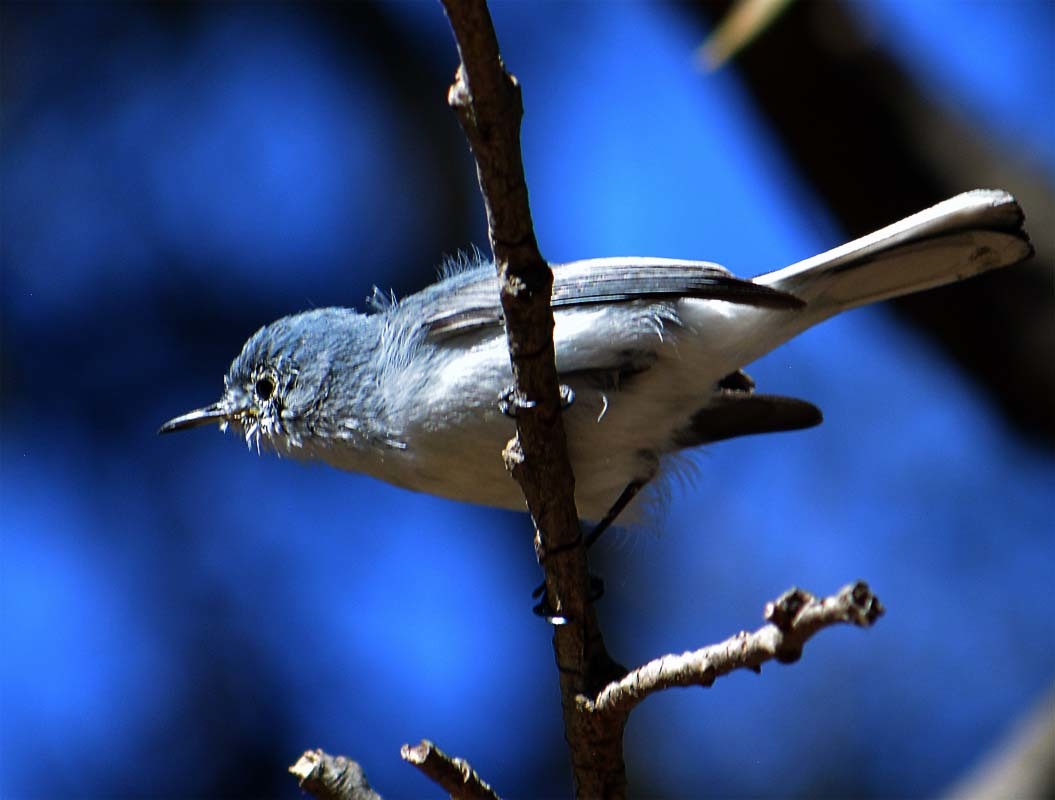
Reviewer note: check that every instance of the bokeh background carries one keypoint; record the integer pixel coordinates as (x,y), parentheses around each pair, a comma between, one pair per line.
(180,618)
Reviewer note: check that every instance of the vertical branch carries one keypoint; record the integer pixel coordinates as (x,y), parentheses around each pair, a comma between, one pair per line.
(488,102)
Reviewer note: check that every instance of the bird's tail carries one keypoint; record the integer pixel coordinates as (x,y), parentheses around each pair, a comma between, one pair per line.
(966,235)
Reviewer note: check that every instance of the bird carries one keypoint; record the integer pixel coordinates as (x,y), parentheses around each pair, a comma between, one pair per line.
(652,350)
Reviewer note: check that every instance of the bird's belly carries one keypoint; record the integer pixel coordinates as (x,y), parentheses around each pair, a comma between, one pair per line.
(459,462)
(461,458)
(473,471)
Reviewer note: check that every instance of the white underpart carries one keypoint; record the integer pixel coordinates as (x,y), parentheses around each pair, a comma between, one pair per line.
(610,431)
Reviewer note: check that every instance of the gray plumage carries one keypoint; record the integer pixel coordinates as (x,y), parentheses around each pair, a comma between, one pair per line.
(653,349)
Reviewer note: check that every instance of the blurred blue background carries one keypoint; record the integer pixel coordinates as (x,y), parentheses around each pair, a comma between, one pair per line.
(181,618)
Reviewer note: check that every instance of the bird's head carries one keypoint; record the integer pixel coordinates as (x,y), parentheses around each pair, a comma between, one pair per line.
(280,392)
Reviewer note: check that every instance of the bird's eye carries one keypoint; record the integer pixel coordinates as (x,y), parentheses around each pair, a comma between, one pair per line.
(265,387)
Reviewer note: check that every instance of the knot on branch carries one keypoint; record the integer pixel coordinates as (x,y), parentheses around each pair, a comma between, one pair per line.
(530,278)
(797,614)
(459,98)
(783,611)
(863,607)
(513,455)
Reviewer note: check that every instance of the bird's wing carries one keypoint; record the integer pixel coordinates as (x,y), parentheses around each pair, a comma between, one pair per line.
(470,303)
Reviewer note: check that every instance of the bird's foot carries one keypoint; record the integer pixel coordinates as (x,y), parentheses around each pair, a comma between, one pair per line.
(510,401)
(543,609)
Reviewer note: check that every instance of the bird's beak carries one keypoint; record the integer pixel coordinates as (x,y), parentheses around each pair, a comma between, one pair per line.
(217,412)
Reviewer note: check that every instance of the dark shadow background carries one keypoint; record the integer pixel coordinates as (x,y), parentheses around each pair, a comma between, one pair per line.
(182,619)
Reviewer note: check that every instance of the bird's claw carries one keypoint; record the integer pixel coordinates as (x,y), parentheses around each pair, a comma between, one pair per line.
(510,401)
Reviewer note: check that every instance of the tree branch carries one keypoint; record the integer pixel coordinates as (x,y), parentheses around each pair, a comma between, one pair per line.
(454,775)
(329,777)
(794,618)
(488,103)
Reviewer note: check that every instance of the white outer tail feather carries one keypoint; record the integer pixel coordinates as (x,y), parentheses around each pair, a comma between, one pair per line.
(963,236)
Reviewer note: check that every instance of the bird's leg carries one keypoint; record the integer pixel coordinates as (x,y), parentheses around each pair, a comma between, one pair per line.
(629,493)
(596,591)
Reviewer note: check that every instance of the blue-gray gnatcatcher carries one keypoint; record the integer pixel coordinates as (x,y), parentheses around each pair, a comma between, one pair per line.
(652,349)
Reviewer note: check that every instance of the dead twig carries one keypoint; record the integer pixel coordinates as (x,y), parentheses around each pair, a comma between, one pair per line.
(454,774)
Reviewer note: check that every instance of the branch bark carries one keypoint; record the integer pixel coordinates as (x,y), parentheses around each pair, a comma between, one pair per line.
(488,102)
(328,777)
